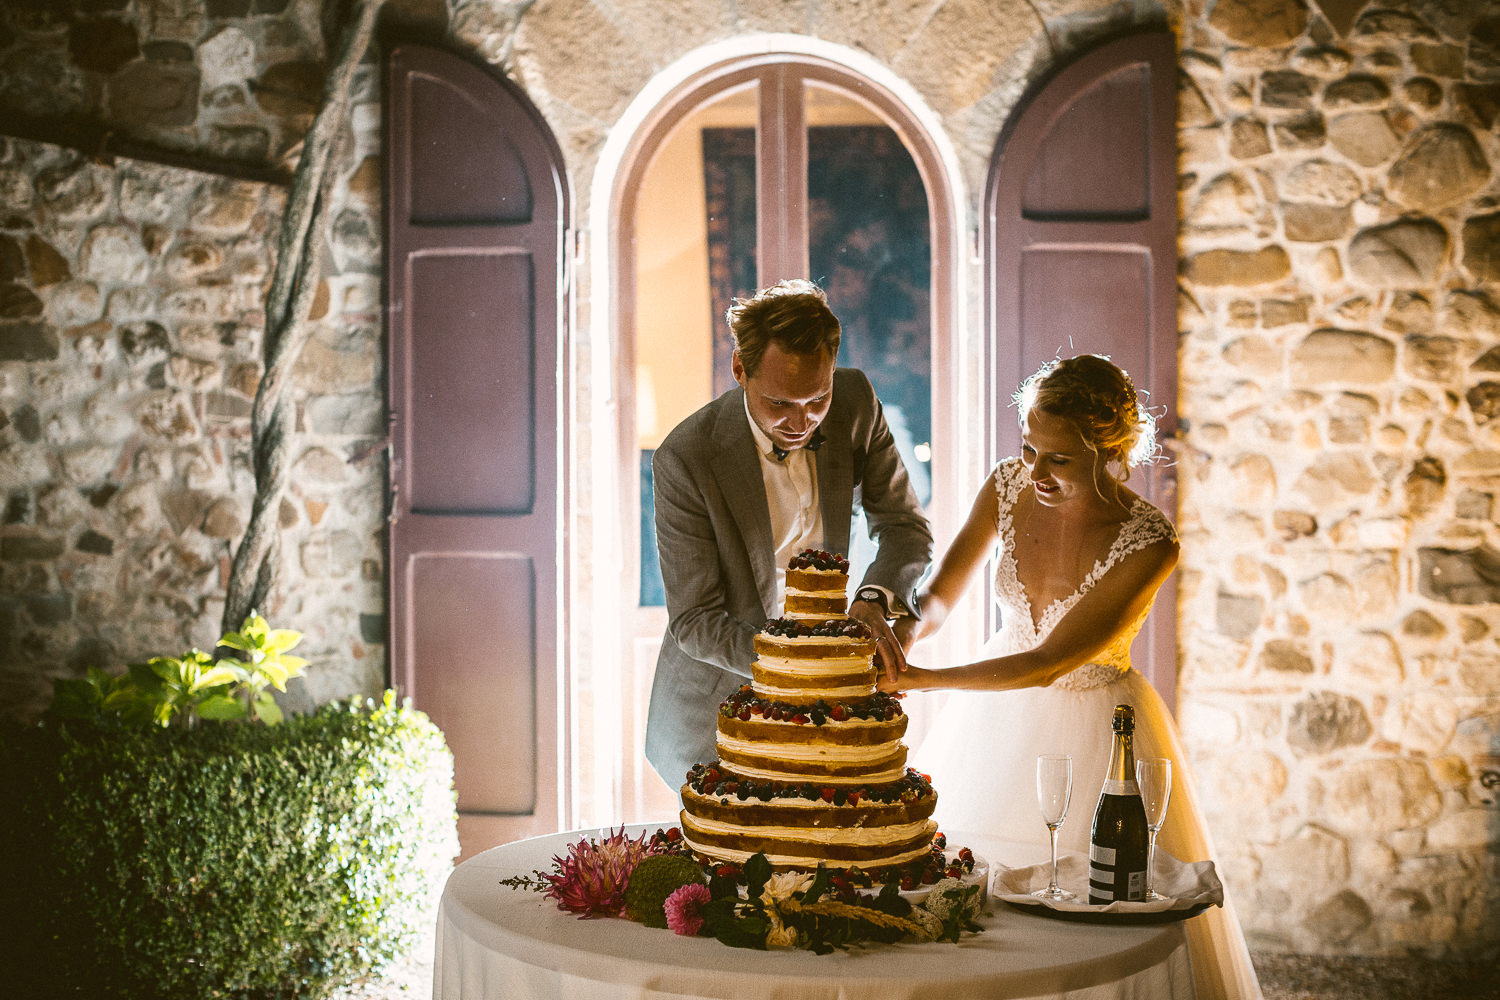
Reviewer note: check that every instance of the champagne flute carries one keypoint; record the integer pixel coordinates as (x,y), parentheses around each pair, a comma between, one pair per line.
(1054,786)
(1153,775)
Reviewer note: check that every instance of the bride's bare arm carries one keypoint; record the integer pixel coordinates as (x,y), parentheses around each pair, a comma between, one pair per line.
(1085,631)
(971,546)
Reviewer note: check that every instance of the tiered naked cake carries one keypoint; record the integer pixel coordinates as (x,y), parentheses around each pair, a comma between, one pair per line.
(811,766)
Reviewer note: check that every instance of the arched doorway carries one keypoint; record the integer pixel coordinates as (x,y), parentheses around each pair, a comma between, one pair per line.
(750,170)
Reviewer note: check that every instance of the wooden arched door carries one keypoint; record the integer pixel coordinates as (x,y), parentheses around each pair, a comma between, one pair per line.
(1080,229)
(477,207)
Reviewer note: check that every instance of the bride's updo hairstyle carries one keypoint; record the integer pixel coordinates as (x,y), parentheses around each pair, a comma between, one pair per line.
(1098,398)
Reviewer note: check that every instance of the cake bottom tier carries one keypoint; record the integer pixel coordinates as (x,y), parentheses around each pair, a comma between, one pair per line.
(802,833)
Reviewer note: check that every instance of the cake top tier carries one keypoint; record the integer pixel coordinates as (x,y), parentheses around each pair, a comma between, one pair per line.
(819,559)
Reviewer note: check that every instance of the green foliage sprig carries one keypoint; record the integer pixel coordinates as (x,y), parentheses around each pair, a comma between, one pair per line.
(181,690)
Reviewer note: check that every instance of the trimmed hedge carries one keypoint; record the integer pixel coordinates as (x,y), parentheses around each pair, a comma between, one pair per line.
(225,860)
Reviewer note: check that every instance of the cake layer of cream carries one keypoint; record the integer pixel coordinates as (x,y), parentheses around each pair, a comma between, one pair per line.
(779,860)
(831,594)
(785,693)
(893,773)
(853,836)
(793,642)
(820,667)
(832,753)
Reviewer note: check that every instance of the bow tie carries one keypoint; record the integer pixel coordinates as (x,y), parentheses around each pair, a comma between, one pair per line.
(813,445)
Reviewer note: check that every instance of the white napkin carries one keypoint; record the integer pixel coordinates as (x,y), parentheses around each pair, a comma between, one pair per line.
(1185,884)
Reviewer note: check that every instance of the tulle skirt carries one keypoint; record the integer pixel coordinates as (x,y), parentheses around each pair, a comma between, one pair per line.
(981,754)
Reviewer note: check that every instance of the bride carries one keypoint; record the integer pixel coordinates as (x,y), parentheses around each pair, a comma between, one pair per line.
(1081,557)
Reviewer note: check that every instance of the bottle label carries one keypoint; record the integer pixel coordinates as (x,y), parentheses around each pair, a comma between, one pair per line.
(1108,883)
(1114,786)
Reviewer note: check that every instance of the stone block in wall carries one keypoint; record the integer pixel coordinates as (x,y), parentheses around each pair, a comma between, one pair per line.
(226,57)
(47,266)
(1473,314)
(1366,137)
(41,81)
(1440,165)
(1338,920)
(155,94)
(1459,576)
(1285,657)
(1300,132)
(291,88)
(1248,138)
(1484,401)
(1343,356)
(1478,104)
(1481,239)
(1238,615)
(1325,721)
(28,342)
(1425,486)
(1422,723)
(1238,268)
(1422,93)
(1371,658)
(114,254)
(1286,90)
(1265,23)
(1315,223)
(1403,254)
(1311,856)
(1380,795)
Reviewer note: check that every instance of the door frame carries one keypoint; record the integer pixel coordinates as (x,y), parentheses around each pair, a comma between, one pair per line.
(674,94)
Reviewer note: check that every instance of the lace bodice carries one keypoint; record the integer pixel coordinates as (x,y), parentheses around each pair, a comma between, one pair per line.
(1145,526)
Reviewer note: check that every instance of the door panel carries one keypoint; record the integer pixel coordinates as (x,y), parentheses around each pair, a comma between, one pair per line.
(476,209)
(456,382)
(1081,238)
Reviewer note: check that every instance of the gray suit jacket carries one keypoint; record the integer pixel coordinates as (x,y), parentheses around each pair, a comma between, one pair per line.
(713,532)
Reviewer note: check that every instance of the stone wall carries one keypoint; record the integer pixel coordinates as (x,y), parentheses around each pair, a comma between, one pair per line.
(1340,308)
(131,314)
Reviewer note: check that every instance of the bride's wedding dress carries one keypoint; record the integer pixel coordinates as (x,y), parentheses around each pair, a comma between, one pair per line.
(982,750)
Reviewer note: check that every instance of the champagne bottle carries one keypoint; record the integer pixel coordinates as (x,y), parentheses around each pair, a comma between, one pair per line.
(1117,846)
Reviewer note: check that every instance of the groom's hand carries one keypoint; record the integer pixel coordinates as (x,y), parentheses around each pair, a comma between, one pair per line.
(889,656)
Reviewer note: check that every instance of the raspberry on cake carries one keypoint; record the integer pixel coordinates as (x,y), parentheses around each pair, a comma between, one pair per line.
(811,766)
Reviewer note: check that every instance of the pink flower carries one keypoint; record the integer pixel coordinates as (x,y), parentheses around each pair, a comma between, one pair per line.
(683,908)
(591,880)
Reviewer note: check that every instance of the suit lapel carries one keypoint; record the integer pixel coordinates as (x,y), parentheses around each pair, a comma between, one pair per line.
(736,467)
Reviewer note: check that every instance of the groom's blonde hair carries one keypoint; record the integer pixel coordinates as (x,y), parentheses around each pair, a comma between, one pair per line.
(1099,399)
(793,312)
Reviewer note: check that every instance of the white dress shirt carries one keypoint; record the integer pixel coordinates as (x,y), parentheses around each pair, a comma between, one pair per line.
(792,495)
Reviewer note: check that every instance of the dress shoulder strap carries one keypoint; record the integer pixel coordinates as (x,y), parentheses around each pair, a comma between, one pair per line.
(1147,526)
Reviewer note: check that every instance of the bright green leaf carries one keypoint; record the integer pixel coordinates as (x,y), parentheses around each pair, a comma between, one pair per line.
(221,706)
(267,711)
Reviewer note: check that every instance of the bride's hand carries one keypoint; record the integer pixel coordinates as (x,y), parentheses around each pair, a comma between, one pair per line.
(909,679)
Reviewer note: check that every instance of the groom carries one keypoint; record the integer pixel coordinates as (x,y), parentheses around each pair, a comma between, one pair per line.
(768,469)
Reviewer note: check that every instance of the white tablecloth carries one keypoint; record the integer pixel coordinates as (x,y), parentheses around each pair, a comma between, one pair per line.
(498,943)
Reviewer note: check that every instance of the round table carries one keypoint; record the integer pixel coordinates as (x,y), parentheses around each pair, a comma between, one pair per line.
(497,942)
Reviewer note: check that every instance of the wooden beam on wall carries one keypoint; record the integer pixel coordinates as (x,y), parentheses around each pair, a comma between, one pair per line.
(101,143)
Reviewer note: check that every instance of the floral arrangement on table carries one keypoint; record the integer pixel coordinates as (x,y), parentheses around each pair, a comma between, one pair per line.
(657,882)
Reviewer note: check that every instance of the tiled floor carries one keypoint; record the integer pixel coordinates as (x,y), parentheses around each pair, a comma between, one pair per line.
(1305,977)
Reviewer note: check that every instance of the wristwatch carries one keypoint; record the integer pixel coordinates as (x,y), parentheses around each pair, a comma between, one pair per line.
(875,596)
